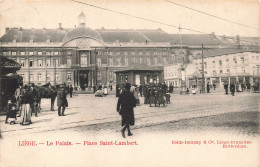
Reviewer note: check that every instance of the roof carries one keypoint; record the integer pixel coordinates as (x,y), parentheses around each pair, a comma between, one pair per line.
(82,32)
(139,67)
(37,35)
(197,39)
(227,51)
(8,65)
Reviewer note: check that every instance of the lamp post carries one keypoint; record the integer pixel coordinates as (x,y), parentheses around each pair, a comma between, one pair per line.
(203,78)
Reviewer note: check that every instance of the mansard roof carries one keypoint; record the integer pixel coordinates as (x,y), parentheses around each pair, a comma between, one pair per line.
(37,35)
(197,39)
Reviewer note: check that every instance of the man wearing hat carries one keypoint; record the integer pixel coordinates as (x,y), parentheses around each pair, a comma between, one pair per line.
(125,105)
(61,100)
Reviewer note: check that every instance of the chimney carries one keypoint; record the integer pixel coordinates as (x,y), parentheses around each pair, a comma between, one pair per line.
(60,26)
(213,34)
(20,28)
(224,37)
(7,29)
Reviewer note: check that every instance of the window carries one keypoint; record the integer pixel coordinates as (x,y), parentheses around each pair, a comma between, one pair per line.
(148,61)
(48,77)
(213,62)
(30,53)
(214,72)
(228,70)
(31,77)
(227,60)
(48,62)
(117,53)
(57,76)
(84,61)
(242,60)
(126,61)
(155,61)
(235,60)
(164,60)
(56,53)
(22,62)
(118,61)
(111,75)
(39,62)
(13,53)
(56,62)
(5,53)
(39,77)
(220,62)
(220,71)
(125,53)
(48,53)
(69,76)
(110,61)
(140,53)
(39,53)
(31,62)
(99,61)
(69,61)
(22,53)
(99,75)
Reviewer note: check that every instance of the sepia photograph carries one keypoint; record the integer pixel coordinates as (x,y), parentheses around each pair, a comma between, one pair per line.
(132,83)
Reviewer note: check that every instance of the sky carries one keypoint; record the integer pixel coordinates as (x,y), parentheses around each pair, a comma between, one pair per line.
(48,14)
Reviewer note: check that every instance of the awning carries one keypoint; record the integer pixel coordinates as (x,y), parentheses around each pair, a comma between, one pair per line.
(8,66)
(140,67)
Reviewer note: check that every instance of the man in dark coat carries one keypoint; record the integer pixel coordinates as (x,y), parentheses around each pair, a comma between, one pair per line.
(232,88)
(36,99)
(141,90)
(125,105)
(70,90)
(208,88)
(61,100)
(226,88)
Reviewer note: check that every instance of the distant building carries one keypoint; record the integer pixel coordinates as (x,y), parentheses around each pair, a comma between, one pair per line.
(230,65)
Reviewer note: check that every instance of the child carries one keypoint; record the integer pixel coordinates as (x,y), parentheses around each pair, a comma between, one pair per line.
(168,98)
(11,111)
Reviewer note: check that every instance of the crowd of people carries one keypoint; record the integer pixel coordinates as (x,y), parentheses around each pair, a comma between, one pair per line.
(154,94)
(26,101)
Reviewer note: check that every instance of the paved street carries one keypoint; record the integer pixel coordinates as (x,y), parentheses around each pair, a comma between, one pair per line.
(188,117)
(238,114)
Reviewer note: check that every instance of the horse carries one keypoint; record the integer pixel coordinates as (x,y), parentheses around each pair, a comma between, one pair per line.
(48,91)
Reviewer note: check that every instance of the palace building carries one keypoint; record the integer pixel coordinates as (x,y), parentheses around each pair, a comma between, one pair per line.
(82,56)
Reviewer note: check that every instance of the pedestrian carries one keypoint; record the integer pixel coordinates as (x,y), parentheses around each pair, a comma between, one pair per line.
(168,98)
(136,92)
(105,90)
(18,99)
(141,90)
(214,86)
(70,90)
(226,88)
(100,87)
(161,96)
(125,107)
(62,102)
(242,86)
(187,90)
(94,88)
(117,90)
(248,86)
(152,98)
(111,87)
(26,100)
(11,110)
(208,87)
(36,99)
(146,94)
(232,89)
(193,89)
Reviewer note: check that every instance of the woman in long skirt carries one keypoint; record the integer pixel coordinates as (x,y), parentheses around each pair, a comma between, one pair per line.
(26,100)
